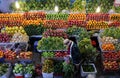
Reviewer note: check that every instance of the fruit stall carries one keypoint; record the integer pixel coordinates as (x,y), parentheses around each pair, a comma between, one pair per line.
(33,30)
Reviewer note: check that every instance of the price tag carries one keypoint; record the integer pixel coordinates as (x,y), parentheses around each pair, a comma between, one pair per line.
(117,3)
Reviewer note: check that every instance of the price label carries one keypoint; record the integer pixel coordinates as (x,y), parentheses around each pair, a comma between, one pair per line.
(117,3)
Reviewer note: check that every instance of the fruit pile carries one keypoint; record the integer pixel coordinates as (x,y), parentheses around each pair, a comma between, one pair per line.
(18,69)
(29,69)
(111,32)
(108,47)
(115,17)
(60,54)
(78,23)
(55,24)
(98,16)
(4,37)
(110,55)
(48,54)
(110,65)
(1,54)
(48,66)
(92,24)
(34,15)
(19,37)
(54,33)
(108,40)
(78,6)
(3,69)
(10,55)
(13,19)
(51,43)
(34,29)
(115,24)
(25,55)
(33,22)
(117,47)
(58,68)
(59,16)
(13,30)
(80,16)
(12,16)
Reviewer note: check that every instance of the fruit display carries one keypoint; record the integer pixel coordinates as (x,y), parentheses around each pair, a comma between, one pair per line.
(68,70)
(86,48)
(92,24)
(78,6)
(59,16)
(88,68)
(25,55)
(58,68)
(108,40)
(79,32)
(80,17)
(34,29)
(3,69)
(110,56)
(60,54)
(4,37)
(115,17)
(29,69)
(110,65)
(115,24)
(10,55)
(55,24)
(33,22)
(18,69)
(13,30)
(48,66)
(19,37)
(1,54)
(104,5)
(117,47)
(48,54)
(78,23)
(54,33)
(108,47)
(34,15)
(41,5)
(98,16)
(111,32)
(51,43)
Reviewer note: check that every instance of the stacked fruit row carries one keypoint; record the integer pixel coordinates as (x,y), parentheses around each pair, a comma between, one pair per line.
(92,24)
(81,17)
(78,23)
(12,16)
(111,55)
(34,15)
(11,55)
(31,22)
(59,16)
(115,17)
(110,65)
(98,17)
(55,24)
(115,24)
(55,33)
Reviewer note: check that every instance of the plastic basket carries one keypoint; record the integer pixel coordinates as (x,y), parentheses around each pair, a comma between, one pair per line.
(47,75)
